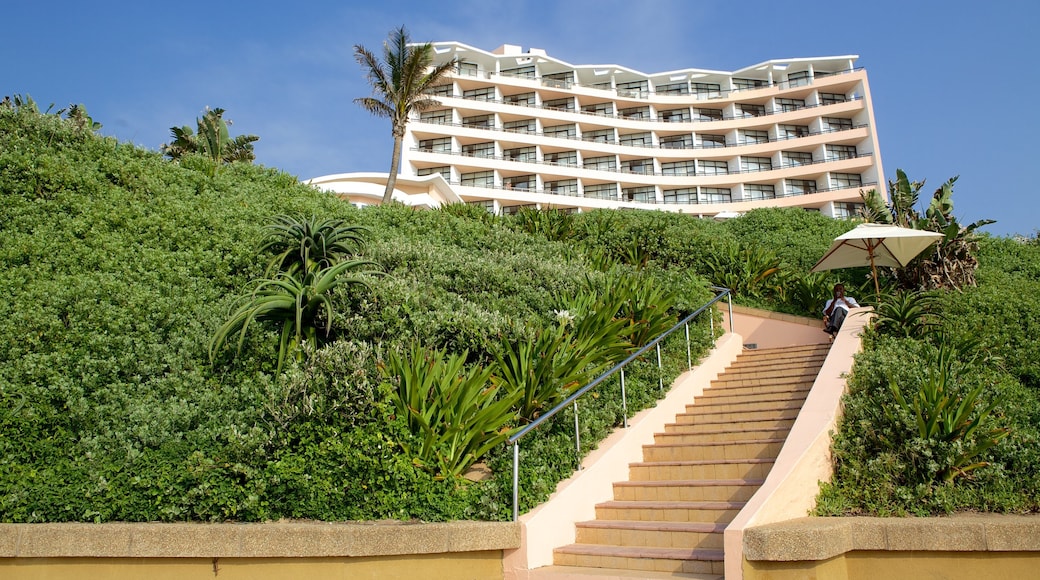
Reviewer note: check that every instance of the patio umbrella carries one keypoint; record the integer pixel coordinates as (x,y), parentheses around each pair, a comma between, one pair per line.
(876,245)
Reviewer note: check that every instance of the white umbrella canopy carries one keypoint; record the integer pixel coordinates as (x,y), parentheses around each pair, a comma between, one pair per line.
(876,245)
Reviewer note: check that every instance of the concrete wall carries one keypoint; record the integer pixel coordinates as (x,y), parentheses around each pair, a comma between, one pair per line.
(772,329)
(271,551)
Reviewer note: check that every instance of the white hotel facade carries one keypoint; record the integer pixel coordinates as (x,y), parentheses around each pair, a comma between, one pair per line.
(518,129)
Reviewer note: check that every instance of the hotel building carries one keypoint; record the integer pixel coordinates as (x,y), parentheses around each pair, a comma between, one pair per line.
(520,128)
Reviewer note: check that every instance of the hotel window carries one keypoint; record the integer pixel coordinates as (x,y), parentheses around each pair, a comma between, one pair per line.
(796,158)
(564,104)
(716,195)
(519,182)
(832,98)
(707,114)
(598,136)
(749,110)
(836,152)
(635,113)
(441,91)
(468,69)
(561,131)
(604,163)
(602,191)
(524,99)
(481,94)
(633,89)
(710,141)
(526,72)
(520,154)
(801,186)
(707,90)
(753,164)
(674,115)
(561,158)
(478,179)
(677,142)
(440,145)
(640,194)
(561,80)
(521,126)
(788,105)
(637,140)
(848,209)
(515,209)
(673,89)
(640,166)
(744,84)
(832,124)
(713,167)
(757,191)
(441,117)
(752,136)
(444,170)
(798,79)
(604,109)
(678,168)
(792,131)
(604,86)
(487,204)
(486,149)
(562,187)
(844,180)
(479,122)
(684,195)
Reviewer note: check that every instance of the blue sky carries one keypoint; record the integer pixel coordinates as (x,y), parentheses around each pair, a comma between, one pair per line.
(953,83)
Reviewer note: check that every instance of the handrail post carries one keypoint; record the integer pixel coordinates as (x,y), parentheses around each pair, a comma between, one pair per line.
(577,434)
(729,299)
(689,353)
(516,480)
(660,370)
(624,400)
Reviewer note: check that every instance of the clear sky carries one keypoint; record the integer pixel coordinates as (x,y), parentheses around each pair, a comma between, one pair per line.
(953,82)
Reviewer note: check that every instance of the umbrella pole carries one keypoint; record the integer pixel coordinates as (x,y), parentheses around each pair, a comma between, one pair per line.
(873,271)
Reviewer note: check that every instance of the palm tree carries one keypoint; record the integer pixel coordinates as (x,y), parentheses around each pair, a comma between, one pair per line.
(399,85)
(212,140)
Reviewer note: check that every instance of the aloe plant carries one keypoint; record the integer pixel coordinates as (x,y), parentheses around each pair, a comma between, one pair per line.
(307,243)
(906,314)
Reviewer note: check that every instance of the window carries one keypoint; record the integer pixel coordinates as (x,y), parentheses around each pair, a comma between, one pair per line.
(637,140)
(678,168)
(560,80)
(844,180)
(479,122)
(796,158)
(674,115)
(744,84)
(633,89)
(756,191)
(519,182)
(478,179)
(792,131)
(521,126)
(752,164)
(486,149)
(600,136)
(604,163)
(677,141)
(524,99)
(707,114)
(481,94)
(561,131)
(716,195)
(526,72)
(707,90)
(685,195)
(441,145)
(562,187)
(752,136)
(713,167)
(836,152)
(831,124)
(641,166)
(848,209)
(640,194)
(798,79)
(561,158)
(749,110)
(487,204)
(520,154)
(441,91)
(801,186)
(711,141)
(441,117)
(673,89)
(605,86)
(605,109)
(515,209)
(468,69)
(788,105)
(443,170)
(564,104)
(602,191)
(832,98)
(635,113)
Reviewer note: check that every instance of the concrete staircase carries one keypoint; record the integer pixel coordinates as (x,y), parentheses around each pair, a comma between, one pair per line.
(667,520)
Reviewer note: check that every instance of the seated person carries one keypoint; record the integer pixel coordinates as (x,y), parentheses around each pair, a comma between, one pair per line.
(836,309)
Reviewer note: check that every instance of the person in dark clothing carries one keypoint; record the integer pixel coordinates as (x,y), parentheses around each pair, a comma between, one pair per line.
(836,309)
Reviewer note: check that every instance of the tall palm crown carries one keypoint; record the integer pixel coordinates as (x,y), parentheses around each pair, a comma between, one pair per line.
(399,86)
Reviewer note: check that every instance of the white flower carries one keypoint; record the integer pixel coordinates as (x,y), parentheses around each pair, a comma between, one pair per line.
(564,317)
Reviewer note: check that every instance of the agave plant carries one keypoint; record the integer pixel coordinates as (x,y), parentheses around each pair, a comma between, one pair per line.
(906,314)
(307,243)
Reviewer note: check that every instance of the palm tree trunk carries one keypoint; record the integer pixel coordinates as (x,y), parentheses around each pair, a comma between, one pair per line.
(395,163)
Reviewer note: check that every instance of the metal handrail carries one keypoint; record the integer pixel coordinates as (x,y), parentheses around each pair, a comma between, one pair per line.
(514,440)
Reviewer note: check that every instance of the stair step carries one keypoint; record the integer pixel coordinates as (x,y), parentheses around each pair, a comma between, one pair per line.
(651,533)
(687,490)
(729,427)
(719,436)
(685,560)
(756,448)
(753,394)
(687,470)
(804,380)
(767,402)
(586,573)
(717,416)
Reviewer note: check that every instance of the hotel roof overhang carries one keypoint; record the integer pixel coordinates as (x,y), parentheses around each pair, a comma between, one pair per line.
(430,191)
